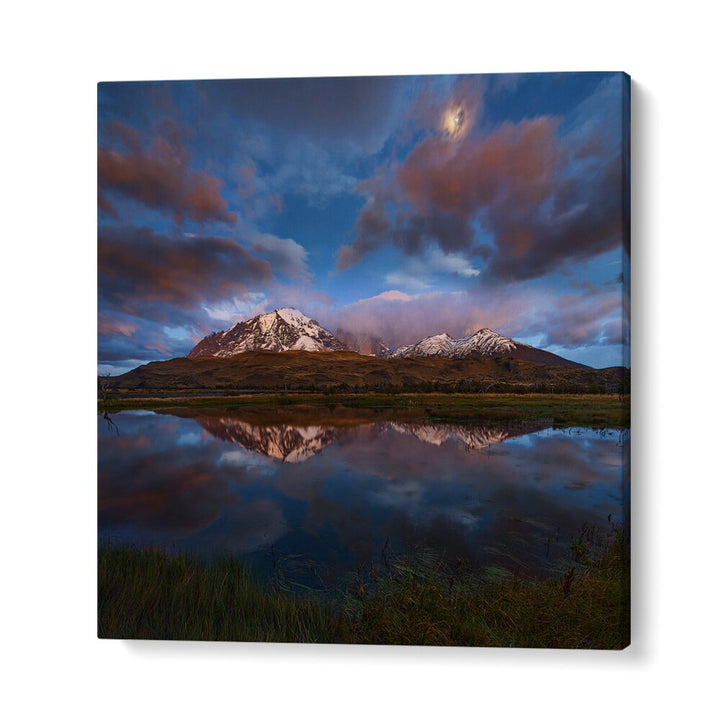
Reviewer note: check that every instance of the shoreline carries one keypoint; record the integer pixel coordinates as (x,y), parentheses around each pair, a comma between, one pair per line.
(148,594)
(591,410)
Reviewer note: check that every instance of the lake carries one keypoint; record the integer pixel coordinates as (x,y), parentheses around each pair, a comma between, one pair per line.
(314,503)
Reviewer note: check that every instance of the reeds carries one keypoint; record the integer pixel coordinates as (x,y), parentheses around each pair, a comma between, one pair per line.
(411,601)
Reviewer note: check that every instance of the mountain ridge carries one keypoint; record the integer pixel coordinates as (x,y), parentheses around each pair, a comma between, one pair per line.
(297,370)
(286,329)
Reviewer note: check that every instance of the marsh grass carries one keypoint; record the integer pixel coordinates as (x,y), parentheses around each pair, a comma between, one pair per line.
(608,411)
(147,594)
(418,600)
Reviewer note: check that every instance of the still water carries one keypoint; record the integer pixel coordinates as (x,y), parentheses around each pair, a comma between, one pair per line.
(322,501)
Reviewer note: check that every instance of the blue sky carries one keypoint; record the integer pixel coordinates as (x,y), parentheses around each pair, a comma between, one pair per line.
(392,206)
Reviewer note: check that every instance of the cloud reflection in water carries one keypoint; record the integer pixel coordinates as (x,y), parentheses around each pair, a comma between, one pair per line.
(220,484)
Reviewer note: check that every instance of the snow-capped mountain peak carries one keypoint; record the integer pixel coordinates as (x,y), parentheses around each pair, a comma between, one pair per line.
(280,330)
(288,329)
(433,345)
(294,317)
(484,342)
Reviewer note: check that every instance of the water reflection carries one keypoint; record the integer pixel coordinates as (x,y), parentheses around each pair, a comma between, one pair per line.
(284,442)
(334,496)
(297,443)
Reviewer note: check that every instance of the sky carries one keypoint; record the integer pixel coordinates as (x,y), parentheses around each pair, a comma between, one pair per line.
(395,207)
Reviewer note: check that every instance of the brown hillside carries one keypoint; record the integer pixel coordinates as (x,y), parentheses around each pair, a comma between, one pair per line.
(347,371)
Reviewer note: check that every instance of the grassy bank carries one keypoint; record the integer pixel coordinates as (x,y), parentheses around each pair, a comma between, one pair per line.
(147,594)
(560,410)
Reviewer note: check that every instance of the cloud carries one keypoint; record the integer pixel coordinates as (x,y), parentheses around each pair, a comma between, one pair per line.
(111,326)
(516,160)
(159,293)
(285,255)
(422,272)
(372,230)
(228,311)
(579,320)
(527,312)
(449,105)
(150,340)
(258,198)
(163,277)
(306,168)
(401,318)
(389,295)
(545,194)
(356,114)
(158,175)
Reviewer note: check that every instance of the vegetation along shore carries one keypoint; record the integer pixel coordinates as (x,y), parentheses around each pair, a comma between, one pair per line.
(145,593)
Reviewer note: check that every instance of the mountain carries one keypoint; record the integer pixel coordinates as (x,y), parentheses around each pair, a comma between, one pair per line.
(288,329)
(483,343)
(281,330)
(434,345)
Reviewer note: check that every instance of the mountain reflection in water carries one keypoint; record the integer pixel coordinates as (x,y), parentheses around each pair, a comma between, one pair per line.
(284,442)
(333,496)
(294,444)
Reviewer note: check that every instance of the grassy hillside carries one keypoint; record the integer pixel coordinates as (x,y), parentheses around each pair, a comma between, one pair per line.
(350,372)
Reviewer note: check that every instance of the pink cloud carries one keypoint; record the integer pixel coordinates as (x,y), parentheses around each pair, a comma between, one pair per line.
(158,176)
(542,199)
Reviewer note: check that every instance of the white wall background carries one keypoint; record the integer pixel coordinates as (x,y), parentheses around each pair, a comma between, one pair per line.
(53,54)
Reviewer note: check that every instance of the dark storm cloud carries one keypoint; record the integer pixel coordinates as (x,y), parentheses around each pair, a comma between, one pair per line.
(547,195)
(358,111)
(373,229)
(161,276)
(158,175)
(449,231)
(585,221)
(408,231)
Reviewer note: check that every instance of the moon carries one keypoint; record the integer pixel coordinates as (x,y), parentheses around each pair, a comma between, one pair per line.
(454,120)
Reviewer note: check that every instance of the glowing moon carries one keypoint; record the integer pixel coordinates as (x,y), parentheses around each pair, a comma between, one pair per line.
(454,120)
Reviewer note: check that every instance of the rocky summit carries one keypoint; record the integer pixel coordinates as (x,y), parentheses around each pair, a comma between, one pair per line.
(280,330)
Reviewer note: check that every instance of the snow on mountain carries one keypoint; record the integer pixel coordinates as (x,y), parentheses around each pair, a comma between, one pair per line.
(433,345)
(484,342)
(281,330)
(307,343)
(296,318)
(288,329)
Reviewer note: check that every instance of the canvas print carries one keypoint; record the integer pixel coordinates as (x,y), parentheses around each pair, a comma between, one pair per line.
(363,360)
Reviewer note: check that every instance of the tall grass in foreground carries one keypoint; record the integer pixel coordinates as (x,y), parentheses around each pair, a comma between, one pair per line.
(147,594)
